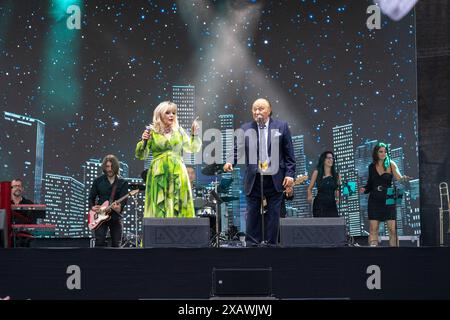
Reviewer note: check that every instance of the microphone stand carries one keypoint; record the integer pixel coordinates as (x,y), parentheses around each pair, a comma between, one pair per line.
(261,181)
(263,242)
(344,184)
(215,198)
(134,199)
(218,214)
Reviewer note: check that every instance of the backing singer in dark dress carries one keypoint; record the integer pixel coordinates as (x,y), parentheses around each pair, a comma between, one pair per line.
(328,181)
(381,173)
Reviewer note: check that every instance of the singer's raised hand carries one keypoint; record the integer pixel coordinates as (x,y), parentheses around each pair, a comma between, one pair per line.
(195,126)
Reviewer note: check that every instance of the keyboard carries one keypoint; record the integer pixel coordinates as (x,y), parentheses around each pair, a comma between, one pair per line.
(37,230)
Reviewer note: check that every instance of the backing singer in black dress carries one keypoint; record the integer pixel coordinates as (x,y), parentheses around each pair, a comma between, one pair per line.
(382,170)
(328,181)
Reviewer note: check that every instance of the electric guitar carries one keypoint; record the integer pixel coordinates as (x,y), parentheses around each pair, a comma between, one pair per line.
(299,180)
(96,218)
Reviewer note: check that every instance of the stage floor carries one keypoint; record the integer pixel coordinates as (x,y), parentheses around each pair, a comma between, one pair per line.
(182,273)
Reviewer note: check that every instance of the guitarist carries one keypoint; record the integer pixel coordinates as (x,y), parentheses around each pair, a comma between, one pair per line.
(109,187)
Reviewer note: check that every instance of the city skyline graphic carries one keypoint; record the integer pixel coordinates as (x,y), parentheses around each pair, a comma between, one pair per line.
(73,96)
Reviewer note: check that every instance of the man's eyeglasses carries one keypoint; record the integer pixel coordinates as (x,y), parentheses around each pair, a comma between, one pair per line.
(16,186)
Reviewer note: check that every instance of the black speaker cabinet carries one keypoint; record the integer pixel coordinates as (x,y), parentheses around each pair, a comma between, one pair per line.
(242,282)
(312,232)
(176,232)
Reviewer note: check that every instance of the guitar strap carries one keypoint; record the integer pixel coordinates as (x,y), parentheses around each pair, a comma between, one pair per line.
(113,191)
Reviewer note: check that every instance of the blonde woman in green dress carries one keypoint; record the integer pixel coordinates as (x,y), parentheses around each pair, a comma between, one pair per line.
(168,192)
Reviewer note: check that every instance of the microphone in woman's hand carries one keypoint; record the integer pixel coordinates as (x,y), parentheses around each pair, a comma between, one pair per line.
(149,129)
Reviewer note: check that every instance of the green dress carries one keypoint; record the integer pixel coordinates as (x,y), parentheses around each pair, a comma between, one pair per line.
(168,192)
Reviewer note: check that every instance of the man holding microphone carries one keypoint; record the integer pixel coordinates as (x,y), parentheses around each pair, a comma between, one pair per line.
(266,175)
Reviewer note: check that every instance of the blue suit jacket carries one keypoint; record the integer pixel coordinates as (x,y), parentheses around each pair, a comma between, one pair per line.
(278,134)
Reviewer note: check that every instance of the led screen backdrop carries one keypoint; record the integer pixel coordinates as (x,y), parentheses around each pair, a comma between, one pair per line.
(70,96)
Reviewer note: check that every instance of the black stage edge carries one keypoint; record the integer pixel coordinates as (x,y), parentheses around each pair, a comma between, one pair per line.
(183,273)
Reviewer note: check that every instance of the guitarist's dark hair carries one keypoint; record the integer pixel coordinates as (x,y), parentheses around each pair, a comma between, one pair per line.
(114,163)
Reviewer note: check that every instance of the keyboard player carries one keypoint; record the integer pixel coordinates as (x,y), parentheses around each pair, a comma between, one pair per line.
(23,238)
(16,193)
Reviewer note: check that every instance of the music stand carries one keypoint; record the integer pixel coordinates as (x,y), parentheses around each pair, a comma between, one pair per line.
(134,199)
(224,185)
(214,170)
(217,201)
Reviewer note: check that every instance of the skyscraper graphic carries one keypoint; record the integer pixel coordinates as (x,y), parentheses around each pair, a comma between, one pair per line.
(363,158)
(227,131)
(92,169)
(29,164)
(184,98)
(345,162)
(235,191)
(398,157)
(124,170)
(299,207)
(231,209)
(413,207)
(133,212)
(65,200)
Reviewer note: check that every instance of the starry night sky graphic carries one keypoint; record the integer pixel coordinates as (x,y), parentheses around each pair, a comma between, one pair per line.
(96,88)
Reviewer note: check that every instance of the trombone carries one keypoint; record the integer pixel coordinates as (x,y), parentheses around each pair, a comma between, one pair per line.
(445,201)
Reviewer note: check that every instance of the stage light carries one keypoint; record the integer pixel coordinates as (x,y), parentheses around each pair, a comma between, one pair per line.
(58,8)
(60,92)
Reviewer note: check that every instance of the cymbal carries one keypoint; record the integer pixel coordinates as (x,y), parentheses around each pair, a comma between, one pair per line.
(199,203)
(229,198)
(134,186)
(212,169)
(144,175)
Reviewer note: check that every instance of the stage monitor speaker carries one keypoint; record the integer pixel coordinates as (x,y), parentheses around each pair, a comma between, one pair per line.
(176,232)
(242,282)
(312,232)
(3,232)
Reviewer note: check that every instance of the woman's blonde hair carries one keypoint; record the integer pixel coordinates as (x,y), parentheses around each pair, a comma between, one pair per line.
(159,111)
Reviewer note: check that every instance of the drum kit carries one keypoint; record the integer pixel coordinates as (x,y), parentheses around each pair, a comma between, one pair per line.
(207,201)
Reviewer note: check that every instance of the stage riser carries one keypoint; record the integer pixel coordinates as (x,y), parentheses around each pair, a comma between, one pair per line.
(297,273)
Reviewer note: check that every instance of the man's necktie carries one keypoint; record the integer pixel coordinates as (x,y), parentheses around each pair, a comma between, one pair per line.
(263,155)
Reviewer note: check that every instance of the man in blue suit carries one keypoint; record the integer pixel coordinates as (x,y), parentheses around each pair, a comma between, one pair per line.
(266,144)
